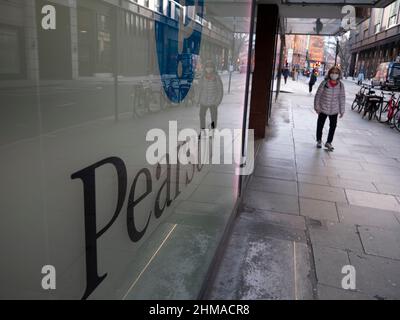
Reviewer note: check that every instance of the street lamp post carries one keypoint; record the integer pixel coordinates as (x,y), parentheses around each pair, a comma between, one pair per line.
(232,57)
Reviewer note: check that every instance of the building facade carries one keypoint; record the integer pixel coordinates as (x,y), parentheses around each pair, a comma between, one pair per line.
(375,40)
(304,51)
(296,50)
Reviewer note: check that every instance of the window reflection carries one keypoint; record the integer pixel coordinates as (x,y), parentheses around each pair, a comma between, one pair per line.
(91,89)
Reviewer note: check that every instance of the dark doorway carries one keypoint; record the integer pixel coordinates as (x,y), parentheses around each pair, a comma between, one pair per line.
(86,41)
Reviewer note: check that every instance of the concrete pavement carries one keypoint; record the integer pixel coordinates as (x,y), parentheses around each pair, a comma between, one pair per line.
(307,213)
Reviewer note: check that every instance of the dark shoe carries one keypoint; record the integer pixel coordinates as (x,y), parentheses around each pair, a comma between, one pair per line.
(329,146)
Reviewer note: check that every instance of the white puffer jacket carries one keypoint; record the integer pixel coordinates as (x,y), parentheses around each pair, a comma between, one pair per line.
(330,100)
(211,91)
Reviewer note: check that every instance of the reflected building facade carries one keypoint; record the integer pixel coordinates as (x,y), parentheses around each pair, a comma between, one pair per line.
(101,37)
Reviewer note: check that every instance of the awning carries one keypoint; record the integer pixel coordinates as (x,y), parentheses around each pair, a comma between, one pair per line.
(313,17)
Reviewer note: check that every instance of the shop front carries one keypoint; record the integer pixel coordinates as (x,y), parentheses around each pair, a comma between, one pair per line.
(78,192)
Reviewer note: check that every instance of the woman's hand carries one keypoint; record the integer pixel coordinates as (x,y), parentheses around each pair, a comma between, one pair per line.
(341,115)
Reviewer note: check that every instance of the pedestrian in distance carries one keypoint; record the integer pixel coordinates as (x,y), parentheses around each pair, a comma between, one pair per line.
(329,102)
(313,80)
(360,78)
(294,74)
(211,92)
(286,73)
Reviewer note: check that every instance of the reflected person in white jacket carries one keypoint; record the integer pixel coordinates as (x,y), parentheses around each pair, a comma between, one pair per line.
(211,92)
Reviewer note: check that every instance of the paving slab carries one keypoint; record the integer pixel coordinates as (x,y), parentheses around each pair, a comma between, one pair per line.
(357,215)
(274,162)
(286,144)
(318,171)
(387,179)
(357,175)
(372,200)
(320,180)
(311,191)
(391,189)
(274,172)
(356,142)
(229,276)
(341,155)
(263,268)
(352,184)
(309,161)
(380,242)
(331,293)
(274,218)
(273,185)
(271,201)
(380,168)
(348,164)
(377,277)
(277,154)
(336,235)
(256,223)
(373,159)
(328,264)
(319,210)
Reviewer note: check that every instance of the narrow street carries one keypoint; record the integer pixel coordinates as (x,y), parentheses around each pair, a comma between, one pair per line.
(307,212)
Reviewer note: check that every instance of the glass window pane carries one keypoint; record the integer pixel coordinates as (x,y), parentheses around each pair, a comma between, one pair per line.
(79,188)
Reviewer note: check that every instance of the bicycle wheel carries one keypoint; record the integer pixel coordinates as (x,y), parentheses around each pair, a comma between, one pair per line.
(383,113)
(366,110)
(162,98)
(355,104)
(372,111)
(396,120)
(361,106)
(136,102)
(140,107)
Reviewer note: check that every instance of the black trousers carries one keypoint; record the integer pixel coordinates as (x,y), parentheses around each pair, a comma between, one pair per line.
(310,86)
(332,126)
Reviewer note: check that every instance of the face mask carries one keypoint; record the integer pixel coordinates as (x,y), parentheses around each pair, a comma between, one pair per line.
(334,76)
(209,70)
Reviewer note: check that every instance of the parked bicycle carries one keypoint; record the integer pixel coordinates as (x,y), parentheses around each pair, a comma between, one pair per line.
(389,109)
(367,101)
(146,98)
(396,119)
(359,99)
(372,104)
(376,106)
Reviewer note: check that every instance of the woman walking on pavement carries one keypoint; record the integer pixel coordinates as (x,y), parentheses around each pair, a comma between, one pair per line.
(313,80)
(329,102)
